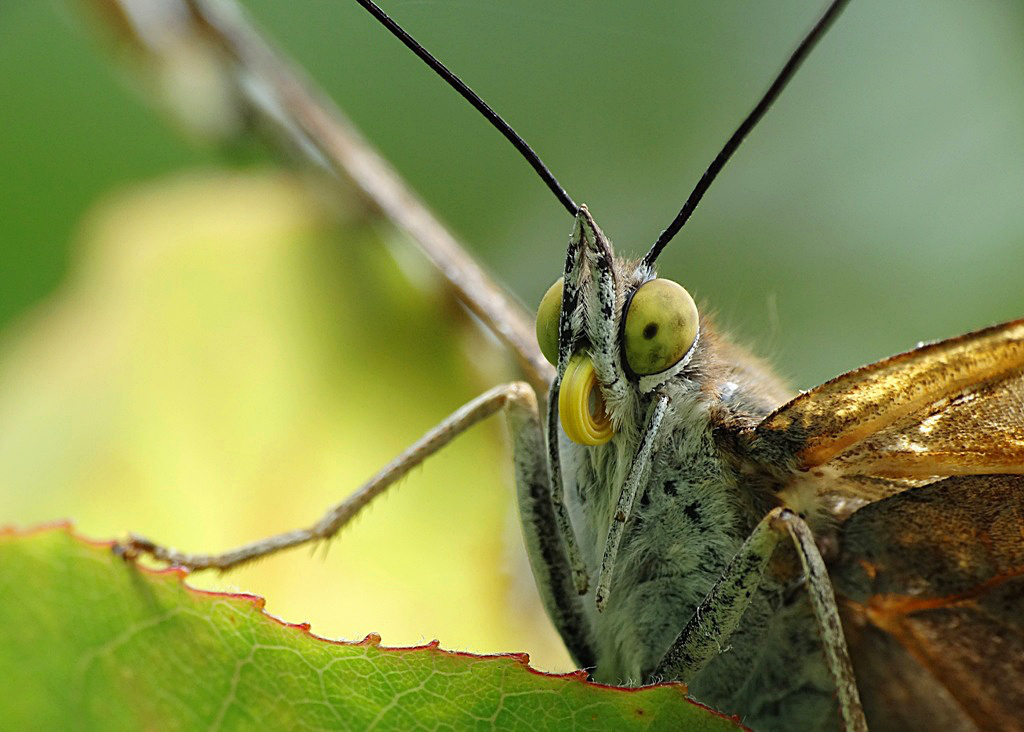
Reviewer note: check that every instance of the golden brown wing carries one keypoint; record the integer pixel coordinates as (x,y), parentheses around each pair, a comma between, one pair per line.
(931,580)
(843,412)
(936,576)
(955,407)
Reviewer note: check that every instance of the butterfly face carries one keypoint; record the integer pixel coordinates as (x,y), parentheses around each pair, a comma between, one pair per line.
(616,332)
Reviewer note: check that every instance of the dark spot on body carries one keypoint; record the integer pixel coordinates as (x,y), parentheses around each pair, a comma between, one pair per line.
(670,488)
(645,499)
(692,511)
(650,330)
(711,558)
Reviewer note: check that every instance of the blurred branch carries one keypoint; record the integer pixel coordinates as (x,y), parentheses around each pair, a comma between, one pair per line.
(256,82)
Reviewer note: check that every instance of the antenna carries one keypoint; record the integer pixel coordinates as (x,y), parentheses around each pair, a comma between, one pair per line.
(745,127)
(731,145)
(481,106)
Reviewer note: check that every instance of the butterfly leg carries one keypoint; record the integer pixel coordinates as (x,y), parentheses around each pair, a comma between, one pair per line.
(341,514)
(543,515)
(718,615)
(639,471)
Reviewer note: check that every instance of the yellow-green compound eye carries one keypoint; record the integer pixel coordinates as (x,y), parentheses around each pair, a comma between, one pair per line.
(547,322)
(661,325)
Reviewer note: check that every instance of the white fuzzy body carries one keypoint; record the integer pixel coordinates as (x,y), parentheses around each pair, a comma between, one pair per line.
(688,522)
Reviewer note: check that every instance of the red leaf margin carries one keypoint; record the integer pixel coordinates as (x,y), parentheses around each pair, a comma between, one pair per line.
(372,640)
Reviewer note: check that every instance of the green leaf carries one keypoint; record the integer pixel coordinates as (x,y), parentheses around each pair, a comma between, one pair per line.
(90,641)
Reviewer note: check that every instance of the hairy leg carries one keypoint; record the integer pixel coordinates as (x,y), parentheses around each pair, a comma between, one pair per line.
(637,476)
(542,511)
(718,615)
(341,514)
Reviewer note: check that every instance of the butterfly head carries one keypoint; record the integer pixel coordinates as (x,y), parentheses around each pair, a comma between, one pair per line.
(614,330)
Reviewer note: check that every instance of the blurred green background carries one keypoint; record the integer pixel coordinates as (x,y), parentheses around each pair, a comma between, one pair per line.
(209,358)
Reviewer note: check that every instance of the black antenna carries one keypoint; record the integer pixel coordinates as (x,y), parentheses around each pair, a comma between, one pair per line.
(745,127)
(481,106)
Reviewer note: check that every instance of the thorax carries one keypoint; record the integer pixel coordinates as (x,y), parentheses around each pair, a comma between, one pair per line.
(688,520)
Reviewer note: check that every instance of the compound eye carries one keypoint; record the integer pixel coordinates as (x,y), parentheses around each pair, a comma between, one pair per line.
(661,326)
(547,322)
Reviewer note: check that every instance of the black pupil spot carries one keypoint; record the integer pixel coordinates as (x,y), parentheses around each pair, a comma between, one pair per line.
(650,330)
